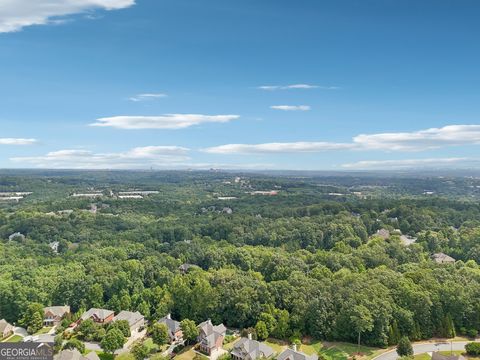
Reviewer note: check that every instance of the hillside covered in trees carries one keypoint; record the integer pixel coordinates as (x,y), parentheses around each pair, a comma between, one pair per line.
(300,253)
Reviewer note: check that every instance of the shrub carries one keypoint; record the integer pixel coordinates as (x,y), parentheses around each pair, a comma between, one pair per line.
(473,348)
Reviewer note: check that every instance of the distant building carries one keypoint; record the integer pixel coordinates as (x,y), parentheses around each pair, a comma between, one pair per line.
(174,330)
(184,268)
(54,246)
(293,354)
(100,316)
(135,319)
(75,355)
(441,258)
(6,329)
(438,356)
(53,315)
(211,337)
(16,236)
(248,349)
(384,234)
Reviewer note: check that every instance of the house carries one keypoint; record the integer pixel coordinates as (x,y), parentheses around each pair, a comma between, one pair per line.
(438,356)
(248,349)
(174,331)
(100,316)
(136,321)
(75,355)
(293,354)
(53,315)
(17,236)
(6,329)
(441,258)
(384,234)
(184,268)
(407,240)
(211,337)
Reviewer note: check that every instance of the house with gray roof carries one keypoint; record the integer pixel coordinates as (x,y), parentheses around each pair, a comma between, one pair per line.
(6,329)
(100,316)
(441,258)
(75,355)
(211,337)
(53,315)
(174,330)
(293,354)
(136,321)
(249,349)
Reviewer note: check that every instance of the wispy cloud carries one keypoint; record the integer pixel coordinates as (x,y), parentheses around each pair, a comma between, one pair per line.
(302,147)
(296,86)
(140,157)
(147,97)
(412,163)
(17,141)
(291,107)
(452,135)
(167,121)
(17,14)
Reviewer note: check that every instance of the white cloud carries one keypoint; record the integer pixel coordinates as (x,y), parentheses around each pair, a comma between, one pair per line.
(411,163)
(17,141)
(277,148)
(291,107)
(296,86)
(140,157)
(147,97)
(421,140)
(16,14)
(452,135)
(167,121)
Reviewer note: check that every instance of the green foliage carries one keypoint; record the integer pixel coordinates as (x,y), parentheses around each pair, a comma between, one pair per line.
(261,330)
(74,344)
(189,330)
(113,340)
(121,325)
(32,318)
(473,348)
(139,350)
(159,334)
(404,347)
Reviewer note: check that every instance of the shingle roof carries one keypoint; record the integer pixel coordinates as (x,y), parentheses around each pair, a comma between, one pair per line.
(290,354)
(172,325)
(211,333)
(442,258)
(131,317)
(3,325)
(57,310)
(251,349)
(99,313)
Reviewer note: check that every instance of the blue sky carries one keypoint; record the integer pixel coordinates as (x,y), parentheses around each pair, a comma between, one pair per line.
(264,84)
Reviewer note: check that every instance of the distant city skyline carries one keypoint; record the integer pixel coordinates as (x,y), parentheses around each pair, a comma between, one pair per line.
(251,84)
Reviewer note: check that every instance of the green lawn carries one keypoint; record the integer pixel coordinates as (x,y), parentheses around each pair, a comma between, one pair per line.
(343,351)
(423,356)
(13,339)
(104,356)
(188,354)
(43,330)
(277,345)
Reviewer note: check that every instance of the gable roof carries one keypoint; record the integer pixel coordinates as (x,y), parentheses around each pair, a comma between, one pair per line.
(4,324)
(172,325)
(209,334)
(131,317)
(442,258)
(98,313)
(251,349)
(290,354)
(59,311)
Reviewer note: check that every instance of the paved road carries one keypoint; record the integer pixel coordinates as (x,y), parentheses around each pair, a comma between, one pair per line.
(425,348)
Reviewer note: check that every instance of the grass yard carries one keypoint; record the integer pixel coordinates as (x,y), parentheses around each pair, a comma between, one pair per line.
(277,345)
(343,351)
(104,356)
(423,356)
(43,330)
(13,339)
(189,354)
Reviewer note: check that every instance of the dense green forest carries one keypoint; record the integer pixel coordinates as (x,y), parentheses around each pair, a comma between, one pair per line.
(305,260)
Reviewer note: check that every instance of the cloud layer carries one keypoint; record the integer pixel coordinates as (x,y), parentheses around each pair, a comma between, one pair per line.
(452,135)
(167,121)
(296,86)
(140,157)
(291,107)
(147,97)
(17,141)
(411,163)
(17,14)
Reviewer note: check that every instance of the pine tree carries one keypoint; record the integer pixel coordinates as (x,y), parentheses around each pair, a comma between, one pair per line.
(404,347)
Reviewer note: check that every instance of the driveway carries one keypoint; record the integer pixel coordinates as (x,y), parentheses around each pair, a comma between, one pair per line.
(426,348)
(20,331)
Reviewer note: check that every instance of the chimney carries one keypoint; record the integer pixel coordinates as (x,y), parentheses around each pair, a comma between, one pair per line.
(169,316)
(294,347)
(249,336)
